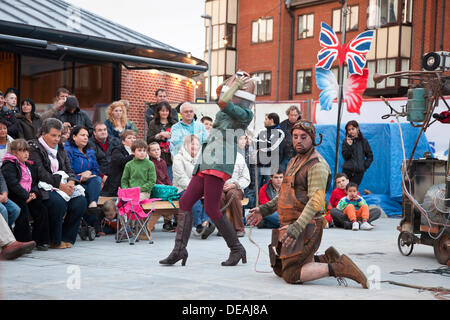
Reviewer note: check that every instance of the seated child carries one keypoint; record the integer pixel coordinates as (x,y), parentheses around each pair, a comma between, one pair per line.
(8,209)
(207,122)
(21,178)
(140,171)
(162,177)
(340,220)
(109,222)
(355,208)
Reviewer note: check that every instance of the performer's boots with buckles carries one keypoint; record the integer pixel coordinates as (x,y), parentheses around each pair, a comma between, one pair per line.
(184,228)
(331,255)
(229,234)
(344,267)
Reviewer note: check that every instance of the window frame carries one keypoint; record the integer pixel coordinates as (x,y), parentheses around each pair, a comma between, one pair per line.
(299,35)
(347,29)
(296,81)
(263,84)
(258,31)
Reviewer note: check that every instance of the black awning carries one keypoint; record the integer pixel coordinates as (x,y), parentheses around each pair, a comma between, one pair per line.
(61,51)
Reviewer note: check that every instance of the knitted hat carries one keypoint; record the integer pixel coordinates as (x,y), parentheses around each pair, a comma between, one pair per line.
(71,103)
(309,128)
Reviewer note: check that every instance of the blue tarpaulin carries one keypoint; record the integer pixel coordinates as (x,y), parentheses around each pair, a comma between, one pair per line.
(383,178)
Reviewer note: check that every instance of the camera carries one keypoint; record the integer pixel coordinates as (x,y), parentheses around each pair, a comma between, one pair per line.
(436,60)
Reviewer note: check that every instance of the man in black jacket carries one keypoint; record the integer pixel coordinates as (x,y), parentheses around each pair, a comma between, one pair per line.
(160,96)
(102,144)
(73,115)
(287,151)
(268,144)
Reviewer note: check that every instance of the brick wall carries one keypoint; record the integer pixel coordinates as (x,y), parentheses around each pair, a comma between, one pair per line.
(139,86)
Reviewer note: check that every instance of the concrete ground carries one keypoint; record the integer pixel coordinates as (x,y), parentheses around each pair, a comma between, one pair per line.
(104,269)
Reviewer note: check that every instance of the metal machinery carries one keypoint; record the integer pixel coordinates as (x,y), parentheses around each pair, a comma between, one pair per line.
(425,182)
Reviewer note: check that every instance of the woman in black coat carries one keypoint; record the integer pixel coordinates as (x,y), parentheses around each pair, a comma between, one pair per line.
(159,131)
(356,152)
(29,121)
(120,155)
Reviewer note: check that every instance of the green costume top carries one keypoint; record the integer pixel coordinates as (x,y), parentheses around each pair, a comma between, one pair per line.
(139,173)
(219,151)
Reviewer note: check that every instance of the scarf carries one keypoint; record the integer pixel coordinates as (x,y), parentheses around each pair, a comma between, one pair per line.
(52,155)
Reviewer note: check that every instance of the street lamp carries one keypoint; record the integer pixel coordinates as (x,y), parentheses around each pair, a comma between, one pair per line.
(207,16)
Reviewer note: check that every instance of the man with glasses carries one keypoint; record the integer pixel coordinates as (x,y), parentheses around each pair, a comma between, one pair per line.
(185,127)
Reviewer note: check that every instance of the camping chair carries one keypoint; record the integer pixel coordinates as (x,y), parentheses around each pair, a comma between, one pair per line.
(132,218)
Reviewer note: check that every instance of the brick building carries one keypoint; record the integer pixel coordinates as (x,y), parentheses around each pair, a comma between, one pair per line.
(48,44)
(278,40)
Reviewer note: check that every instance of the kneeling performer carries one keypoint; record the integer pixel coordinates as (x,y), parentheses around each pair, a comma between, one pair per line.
(214,167)
(299,205)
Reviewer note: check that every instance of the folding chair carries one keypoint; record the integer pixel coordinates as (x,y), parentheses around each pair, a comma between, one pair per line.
(132,218)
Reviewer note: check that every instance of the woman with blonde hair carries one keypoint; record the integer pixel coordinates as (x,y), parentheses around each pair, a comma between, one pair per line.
(117,120)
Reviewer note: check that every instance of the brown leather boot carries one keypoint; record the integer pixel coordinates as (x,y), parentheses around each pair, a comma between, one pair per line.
(331,255)
(184,228)
(346,268)
(229,234)
(16,249)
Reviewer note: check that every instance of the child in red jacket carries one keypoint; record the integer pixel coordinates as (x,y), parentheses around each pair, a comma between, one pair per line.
(267,192)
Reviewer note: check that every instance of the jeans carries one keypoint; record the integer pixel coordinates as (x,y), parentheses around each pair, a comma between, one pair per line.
(10,212)
(199,213)
(170,172)
(272,221)
(92,188)
(64,228)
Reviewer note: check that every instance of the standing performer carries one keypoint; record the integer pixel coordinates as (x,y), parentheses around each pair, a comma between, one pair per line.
(299,205)
(214,167)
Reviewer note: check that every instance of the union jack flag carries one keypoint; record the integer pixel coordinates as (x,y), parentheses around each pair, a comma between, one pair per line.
(354,53)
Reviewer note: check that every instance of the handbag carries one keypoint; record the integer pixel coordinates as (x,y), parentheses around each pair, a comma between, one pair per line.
(165,193)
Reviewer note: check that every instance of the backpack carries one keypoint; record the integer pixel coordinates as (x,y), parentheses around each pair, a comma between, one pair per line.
(165,193)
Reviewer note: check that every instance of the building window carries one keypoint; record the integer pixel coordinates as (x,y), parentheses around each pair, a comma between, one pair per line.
(371,65)
(407,6)
(305,26)
(92,83)
(383,66)
(263,87)
(383,12)
(262,30)
(304,81)
(352,19)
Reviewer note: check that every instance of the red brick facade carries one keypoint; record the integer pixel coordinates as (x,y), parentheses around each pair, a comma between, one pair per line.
(264,57)
(139,86)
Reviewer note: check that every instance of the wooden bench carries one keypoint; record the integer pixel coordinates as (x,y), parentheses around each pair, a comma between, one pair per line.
(162,208)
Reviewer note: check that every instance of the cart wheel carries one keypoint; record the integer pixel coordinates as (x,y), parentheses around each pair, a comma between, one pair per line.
(91,233)
(405,243)
(442,249)
(83,233)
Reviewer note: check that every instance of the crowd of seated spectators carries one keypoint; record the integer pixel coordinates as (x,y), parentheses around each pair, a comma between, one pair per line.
(56,165)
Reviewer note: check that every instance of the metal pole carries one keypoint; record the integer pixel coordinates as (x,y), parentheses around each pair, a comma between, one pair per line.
(209,60)
(341,91)
(208,88)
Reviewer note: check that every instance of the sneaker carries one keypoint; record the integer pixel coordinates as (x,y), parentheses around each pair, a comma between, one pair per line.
(199,230)
(167,227)
(208,230)
(355,226)
(366,226)
(240,234)
(42,247)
